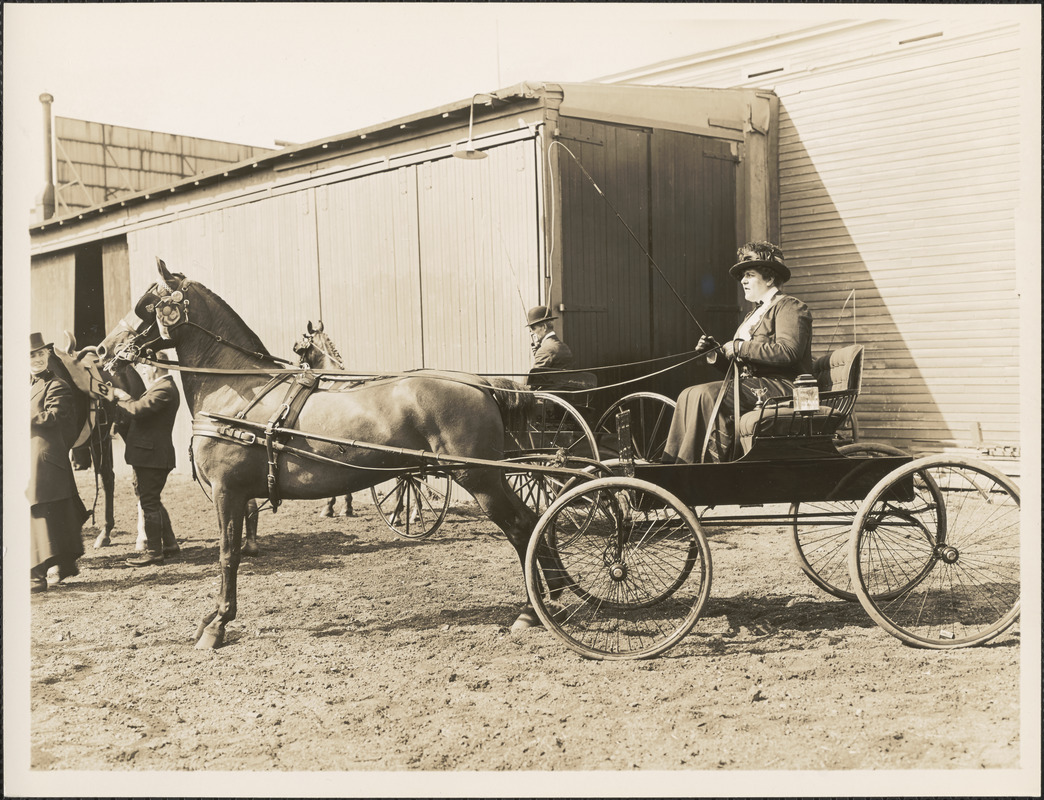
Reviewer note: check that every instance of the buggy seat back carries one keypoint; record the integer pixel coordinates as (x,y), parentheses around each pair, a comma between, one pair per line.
(839,374)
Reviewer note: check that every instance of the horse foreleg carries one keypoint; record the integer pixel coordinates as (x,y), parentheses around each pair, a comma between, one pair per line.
(139,542)
(230,512)
(101,456)
(250,547)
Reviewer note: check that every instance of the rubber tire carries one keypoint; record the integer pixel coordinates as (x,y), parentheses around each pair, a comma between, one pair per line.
(945,588)
(830,571)
(646,426)
(413,486)
(622,620)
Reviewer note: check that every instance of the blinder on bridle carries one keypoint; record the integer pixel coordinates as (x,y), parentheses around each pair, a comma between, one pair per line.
(161,305)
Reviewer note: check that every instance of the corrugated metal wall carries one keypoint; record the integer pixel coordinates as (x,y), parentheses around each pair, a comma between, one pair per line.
(97,162)
(898,178)
(53,298)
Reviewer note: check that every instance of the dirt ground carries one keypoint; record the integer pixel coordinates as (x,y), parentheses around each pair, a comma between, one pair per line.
(355,649)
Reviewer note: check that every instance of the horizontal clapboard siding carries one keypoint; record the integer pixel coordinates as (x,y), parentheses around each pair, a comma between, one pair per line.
(899,179)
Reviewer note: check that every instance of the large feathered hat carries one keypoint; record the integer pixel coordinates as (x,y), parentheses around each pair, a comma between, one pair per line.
(763,255)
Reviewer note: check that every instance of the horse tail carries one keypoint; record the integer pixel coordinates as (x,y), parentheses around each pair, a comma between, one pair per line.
(514,399)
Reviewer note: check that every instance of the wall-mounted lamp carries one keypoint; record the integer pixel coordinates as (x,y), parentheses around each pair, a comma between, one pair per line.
(469,152)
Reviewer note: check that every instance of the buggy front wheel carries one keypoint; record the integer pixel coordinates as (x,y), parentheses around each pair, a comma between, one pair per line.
(631,581)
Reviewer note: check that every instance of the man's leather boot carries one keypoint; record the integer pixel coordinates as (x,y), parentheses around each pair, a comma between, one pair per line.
(153,543)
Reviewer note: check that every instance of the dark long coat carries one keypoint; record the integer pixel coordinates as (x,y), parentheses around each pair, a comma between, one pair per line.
(57,513)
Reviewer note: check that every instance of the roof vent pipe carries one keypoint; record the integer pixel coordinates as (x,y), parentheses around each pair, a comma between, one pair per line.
(44,208)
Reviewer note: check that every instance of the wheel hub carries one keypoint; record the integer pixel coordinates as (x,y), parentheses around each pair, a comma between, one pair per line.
(618,571)
(948,553)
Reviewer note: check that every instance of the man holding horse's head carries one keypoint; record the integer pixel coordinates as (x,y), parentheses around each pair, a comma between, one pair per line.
(149,449)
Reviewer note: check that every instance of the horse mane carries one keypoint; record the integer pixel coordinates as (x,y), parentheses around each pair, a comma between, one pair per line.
(329,348)
(253,340)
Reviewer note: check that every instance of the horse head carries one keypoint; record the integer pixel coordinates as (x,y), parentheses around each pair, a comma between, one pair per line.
(316,349)
(83,367)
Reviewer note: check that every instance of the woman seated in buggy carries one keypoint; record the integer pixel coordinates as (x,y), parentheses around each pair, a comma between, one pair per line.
(771,347)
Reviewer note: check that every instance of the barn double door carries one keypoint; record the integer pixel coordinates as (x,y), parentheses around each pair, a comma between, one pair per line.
(676,192)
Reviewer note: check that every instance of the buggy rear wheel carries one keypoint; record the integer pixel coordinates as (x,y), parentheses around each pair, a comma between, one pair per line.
(964,554)
(651,415)
(629,580)
(414,505)
(820,530)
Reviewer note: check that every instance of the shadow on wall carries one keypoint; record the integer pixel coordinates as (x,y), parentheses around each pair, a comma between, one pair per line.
(873,273)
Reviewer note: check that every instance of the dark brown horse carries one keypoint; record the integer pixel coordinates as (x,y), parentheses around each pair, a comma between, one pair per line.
(221,358)
(94,417)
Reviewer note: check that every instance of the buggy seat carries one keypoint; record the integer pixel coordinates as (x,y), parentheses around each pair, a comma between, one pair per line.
(839,375)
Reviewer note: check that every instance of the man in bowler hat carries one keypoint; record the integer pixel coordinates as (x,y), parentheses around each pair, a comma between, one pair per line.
(549,352)
(56,513)
(149,449)
(773,345)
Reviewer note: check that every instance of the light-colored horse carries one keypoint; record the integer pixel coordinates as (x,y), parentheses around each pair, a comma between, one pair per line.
(82,370)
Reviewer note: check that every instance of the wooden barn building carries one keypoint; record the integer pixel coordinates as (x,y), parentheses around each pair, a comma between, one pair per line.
(856,146)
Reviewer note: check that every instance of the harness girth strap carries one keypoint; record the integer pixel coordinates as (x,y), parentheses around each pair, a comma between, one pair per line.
(297,394)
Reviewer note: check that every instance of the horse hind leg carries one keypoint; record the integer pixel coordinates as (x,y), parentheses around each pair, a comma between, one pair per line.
(231,510)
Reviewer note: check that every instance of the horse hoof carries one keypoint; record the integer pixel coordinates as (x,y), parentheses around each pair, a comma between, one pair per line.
(102,541)
(209,640)
(139,546)
(249,550)
(527,619)
(325,513)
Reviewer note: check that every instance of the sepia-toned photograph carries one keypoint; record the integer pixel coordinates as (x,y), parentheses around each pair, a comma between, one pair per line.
(521,400)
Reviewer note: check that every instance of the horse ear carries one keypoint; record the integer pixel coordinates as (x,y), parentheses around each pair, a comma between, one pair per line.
(70,343)
(310,331)
(320,328)
(165,273)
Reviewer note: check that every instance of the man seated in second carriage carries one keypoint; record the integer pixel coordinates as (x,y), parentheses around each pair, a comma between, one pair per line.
(550,353)
(771,347)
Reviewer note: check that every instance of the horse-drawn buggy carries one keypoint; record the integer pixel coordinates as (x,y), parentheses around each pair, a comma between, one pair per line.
(613,544)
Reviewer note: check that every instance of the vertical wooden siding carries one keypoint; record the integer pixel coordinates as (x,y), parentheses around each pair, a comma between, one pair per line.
(898,179)
(368,262)
(115,280)
(479,258)
(694,244)
(430,265)
(53,295)
(677,193)
(605,275)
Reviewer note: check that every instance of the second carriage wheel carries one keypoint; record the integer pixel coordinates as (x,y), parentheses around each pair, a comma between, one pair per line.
(631,581)
(414,505)
(651,416)
(820,530)
(970,592)
(553,427)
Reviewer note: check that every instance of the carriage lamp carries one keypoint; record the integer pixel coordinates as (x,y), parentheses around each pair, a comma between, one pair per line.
(806,394)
